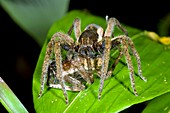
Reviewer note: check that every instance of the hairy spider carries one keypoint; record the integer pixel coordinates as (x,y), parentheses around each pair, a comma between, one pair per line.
(90,52)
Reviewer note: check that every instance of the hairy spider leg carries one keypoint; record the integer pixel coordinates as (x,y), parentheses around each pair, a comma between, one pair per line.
(106,43)
(77,29)
(135,53)
(63,39)
(45,67)
(111,22)
(127,42)
(59,68)
(129,64)
(114,22)
(105,62)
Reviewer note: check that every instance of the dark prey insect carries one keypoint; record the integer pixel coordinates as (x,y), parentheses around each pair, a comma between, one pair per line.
(89,53)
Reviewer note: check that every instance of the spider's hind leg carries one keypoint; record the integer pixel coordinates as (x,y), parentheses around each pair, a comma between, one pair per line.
(55,46)
(59,68)
(129,64)
(136,55)
(127,43)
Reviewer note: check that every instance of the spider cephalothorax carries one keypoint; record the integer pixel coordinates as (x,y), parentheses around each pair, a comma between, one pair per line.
(90,52)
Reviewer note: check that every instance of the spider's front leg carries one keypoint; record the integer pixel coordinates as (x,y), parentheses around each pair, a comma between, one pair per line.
(106,44)
(55,46)
(59,68)
(69,42)
(105,62)
(45,66)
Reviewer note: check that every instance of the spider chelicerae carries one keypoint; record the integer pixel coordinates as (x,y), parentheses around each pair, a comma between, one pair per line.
(88,54)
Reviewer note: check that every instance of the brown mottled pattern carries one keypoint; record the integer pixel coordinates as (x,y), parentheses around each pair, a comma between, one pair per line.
(45,67)
(90,52)
(129,64)
(135,53)
(105,63)
(58,59)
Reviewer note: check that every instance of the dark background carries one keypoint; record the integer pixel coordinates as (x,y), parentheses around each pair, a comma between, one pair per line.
(18,48)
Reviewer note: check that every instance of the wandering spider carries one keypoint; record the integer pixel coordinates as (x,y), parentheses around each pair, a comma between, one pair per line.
(89,53)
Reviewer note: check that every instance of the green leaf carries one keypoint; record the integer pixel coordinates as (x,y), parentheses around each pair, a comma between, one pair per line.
(35,16)
(160,104)
(9,100)
(117,94)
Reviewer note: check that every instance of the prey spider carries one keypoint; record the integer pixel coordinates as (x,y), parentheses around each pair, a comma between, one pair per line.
(89,53)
